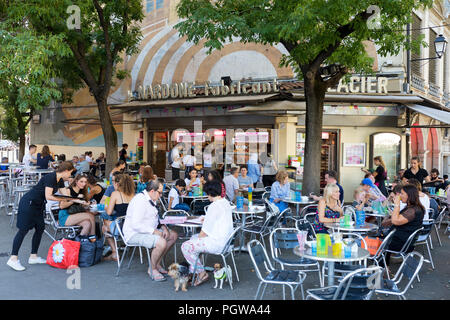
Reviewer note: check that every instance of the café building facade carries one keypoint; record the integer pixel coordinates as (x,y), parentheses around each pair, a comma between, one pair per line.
(174,84)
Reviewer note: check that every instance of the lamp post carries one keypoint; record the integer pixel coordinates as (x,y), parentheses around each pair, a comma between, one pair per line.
(440,45)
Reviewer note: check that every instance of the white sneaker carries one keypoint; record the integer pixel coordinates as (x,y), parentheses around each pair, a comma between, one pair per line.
(37,260)
(15,265)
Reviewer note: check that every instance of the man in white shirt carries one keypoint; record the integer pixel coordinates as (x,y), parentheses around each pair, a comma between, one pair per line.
(232,184)
(176,162)
(28,159)
(141,227)
(189,163)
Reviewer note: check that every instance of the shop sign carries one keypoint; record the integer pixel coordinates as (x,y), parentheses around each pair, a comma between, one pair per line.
(362,85)
(186,90)
(260,137)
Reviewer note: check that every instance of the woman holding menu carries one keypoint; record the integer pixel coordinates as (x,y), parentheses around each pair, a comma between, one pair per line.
(31,213)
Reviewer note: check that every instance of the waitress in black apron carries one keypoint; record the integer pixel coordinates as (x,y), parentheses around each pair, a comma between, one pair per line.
(31,213)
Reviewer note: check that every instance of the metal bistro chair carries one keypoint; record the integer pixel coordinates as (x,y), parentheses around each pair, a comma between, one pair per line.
(380,254)
(198,206)
(354,286)
(263,229)
(311,208)
(425,237)
(438,218)
(267,274)
(345,268)
(228,250)
(286,238)
(119,225)
(187,231)
(410,269)
(51,211)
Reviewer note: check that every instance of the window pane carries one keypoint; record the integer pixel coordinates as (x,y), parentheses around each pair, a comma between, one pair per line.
(159,4)
(387,145)
(150,5)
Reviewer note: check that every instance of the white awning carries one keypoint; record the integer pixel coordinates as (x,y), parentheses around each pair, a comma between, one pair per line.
(442,116)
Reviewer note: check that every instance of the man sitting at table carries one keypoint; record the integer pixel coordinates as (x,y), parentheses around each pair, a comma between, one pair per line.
(83,165)
(232,184)
(217,228)
(331,178)
(174,196)
(244,180)
(4,169)
(142,227)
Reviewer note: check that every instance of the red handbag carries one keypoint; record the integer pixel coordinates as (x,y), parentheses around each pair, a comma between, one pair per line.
(63,254)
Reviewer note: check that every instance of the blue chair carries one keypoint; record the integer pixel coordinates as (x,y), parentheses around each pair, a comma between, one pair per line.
(357,285)
(267,274)
(286,238)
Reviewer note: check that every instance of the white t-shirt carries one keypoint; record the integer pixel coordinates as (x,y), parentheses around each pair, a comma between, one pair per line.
(27,160)
(425,201)
(195,184)
(231,184)
(189,160)
(88,159)
(218,223)
(176,198)
(175,155)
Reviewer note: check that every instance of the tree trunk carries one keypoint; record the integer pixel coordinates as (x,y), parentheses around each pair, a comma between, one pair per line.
(315,96)
(109,134)
(22,141)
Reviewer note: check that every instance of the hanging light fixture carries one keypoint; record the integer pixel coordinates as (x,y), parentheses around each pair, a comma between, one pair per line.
(440,45)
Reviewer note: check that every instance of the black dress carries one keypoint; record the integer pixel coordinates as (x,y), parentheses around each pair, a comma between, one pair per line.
(380,180)
(98,197)
(420,175)
(404,231)
(32,204)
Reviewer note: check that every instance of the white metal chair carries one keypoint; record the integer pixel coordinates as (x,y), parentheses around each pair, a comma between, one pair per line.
(425,237)
(267,274)
(127,245)
(354,286)
(286,238)
(409,269)
(51,210)
(187,231)
(380,254)
(228,250)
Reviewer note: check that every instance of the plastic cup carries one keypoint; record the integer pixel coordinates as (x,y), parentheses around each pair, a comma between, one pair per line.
(314,248)
(347,252)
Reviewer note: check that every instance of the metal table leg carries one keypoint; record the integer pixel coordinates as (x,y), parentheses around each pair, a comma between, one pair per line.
(330,273)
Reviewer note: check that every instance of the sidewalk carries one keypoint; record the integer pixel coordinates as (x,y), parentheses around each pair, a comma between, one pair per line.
(100,282)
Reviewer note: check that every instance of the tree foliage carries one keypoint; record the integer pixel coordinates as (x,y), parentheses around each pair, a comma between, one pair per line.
(108,30)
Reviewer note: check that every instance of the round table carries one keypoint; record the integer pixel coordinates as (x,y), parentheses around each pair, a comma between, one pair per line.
(244,212)
(298,203)
(39,172)
(379,216)
(366,227)
(194,197)
(329,258)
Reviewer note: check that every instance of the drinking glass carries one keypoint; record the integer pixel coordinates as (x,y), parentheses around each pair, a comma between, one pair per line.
(314,248)
(347,252)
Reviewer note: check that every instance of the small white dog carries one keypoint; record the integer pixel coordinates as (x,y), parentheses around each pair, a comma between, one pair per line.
(221,274)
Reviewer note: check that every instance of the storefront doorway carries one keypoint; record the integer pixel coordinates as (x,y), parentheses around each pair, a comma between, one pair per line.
(158,151)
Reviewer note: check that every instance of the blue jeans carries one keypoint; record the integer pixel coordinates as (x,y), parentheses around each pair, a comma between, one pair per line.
(282,206)
(182,206)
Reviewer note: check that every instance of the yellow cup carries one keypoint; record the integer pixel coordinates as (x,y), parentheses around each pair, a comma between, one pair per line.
(337,249)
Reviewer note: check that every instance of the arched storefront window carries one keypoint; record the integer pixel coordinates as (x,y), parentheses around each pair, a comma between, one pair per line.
(433,150)
(387,145)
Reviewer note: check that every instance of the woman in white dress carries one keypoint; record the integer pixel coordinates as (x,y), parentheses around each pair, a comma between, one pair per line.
(217,228)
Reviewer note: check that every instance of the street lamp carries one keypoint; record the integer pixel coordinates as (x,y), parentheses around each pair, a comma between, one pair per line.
(440,45)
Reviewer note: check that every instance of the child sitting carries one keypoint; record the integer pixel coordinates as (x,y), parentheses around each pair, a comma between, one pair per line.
(174,196)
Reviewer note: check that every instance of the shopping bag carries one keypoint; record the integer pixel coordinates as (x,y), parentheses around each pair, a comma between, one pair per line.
(372,245)
(63,254)
(90,252)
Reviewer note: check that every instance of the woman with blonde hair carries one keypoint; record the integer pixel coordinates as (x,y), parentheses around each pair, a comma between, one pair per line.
(329,208)
(280,190)
(117,207)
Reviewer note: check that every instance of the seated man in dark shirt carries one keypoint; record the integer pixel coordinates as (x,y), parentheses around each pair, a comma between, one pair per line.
(4,169)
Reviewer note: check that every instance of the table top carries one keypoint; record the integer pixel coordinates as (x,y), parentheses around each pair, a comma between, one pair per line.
(36,170)
(379,215)
(289,200)
(246,209)
(193,197)
(354,228)
(253,190)
(360,255)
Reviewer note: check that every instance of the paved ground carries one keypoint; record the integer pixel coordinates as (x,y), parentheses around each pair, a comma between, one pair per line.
(99,281)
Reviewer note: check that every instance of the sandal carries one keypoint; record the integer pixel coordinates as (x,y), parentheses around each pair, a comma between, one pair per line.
(162,271)
(158,277)
(199,281)
(111,257)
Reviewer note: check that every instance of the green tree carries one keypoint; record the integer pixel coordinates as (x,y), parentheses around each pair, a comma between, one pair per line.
(316,33)
(26,78)
(107,31)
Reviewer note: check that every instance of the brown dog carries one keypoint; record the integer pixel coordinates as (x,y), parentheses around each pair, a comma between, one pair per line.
(179,272)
